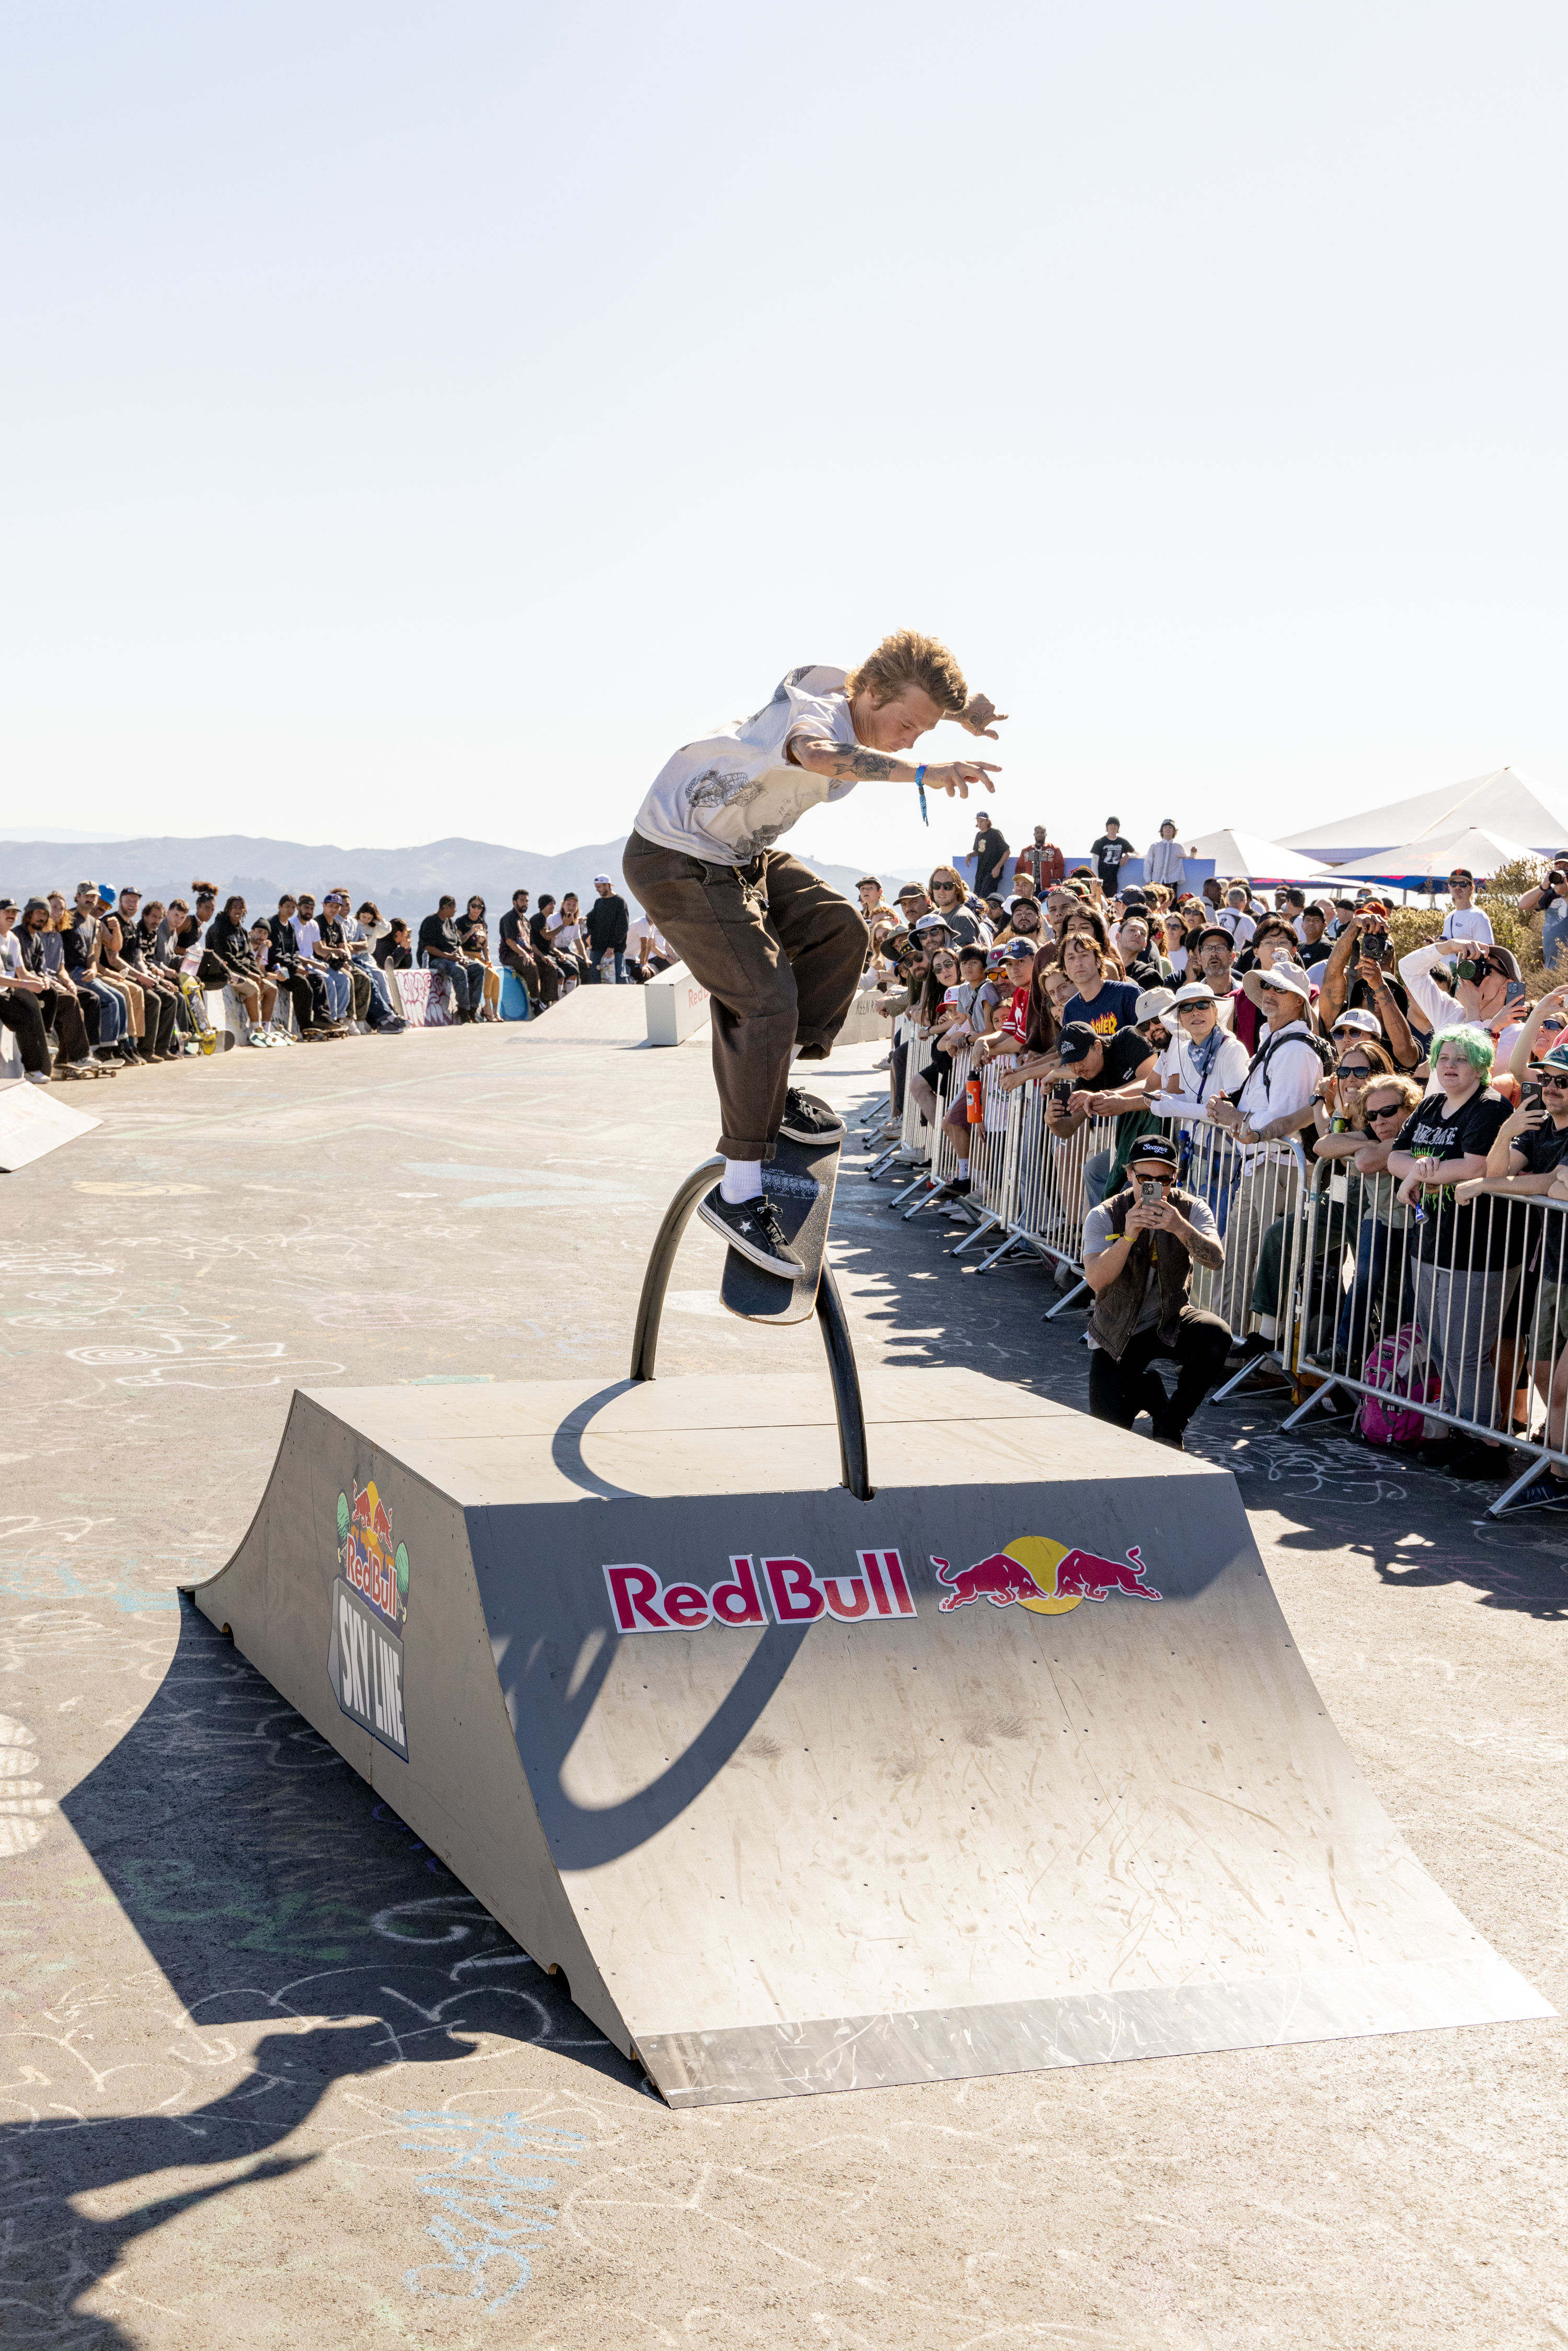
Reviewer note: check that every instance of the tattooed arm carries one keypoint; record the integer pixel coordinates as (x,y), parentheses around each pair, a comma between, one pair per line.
(861,765)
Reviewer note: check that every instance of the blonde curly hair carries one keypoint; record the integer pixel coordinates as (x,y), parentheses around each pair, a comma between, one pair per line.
(906,658)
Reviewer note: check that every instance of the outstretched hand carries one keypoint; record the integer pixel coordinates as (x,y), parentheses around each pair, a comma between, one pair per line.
(976,717)
(956,776)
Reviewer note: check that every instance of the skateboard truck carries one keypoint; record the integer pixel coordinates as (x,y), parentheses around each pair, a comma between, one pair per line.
(830,1316)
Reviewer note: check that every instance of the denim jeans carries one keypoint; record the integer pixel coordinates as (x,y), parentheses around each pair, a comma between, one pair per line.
(372,970)
(110,1011)
(464,981)
(340,992)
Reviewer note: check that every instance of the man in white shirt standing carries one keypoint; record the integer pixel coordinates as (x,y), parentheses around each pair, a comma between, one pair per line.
(1162,858)
(778,950)
(1275,1101)
(1465,919)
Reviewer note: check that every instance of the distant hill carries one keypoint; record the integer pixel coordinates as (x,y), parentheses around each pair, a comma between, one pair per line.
(401,881)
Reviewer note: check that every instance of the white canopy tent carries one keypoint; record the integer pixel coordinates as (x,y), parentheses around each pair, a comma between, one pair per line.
(1507,804)
(1250,856)
(1426,864)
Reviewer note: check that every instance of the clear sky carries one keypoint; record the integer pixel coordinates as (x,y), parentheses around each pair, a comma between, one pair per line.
(420,420)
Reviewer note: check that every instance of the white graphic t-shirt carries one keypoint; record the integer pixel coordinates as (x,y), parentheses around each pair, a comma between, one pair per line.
(730,795)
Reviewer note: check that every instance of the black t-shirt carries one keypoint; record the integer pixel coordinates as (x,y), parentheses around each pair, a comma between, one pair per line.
(514,928)
(1110,856)
(1471,1238)
(1314,951)
(1123,1056)
(78,942)
(1543,1149)
(438,938)
(393,952)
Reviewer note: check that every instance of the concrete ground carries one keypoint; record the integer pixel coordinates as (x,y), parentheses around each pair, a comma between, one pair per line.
(271,2077)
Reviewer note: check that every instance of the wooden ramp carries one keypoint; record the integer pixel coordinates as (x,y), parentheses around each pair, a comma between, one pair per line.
(1014,1765)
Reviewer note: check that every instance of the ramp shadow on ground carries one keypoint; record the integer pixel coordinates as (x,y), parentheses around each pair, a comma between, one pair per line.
(271,1886)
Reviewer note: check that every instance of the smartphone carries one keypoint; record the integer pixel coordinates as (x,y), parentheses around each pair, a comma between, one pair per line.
(1531,1098)
(1062,1092)
(1150,1193)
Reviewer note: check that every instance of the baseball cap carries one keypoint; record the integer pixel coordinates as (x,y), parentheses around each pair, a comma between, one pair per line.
(1216,931)
(1151,1004)
(598,878)
(1134,896)
(1019,951)
(1196,991)
(1364,1024)
(104,891)
(1154,1153)
(1077,1042)
(1288,976)
(1461,873)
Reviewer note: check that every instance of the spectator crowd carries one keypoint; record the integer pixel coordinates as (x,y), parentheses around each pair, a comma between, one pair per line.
(104,980)
(1431,1083)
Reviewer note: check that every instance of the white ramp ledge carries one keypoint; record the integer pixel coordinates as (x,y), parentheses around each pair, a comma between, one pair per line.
(31,1124)
(676,1006)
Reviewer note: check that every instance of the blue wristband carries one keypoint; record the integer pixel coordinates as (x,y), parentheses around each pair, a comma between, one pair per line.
(920,788)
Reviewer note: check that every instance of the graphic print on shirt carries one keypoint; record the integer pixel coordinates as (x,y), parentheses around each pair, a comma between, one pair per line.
(369,1604)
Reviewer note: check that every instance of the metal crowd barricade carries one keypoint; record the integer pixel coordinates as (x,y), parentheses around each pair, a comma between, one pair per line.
(1445,1318)
(1048,1186)
(911,1147)
(993,1161)
(944,1152)
(916,1141)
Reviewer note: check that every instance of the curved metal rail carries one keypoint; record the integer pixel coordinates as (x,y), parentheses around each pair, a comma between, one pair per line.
(830,1318)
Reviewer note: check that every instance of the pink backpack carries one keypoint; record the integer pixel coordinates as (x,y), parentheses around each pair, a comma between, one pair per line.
(1392,1368)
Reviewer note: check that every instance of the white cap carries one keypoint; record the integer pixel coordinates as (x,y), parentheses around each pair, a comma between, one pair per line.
(598,878)
(1366,1024)
(1196,991)
(1288,975)
(1151,1004)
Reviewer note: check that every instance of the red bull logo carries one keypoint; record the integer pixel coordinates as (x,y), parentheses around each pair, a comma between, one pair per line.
(368,1556)
(1043,1576)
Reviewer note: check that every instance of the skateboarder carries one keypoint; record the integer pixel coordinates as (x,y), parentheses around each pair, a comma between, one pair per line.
(780,951)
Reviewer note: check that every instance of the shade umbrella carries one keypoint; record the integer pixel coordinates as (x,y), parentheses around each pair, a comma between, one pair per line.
(1425,863)
(1247,856)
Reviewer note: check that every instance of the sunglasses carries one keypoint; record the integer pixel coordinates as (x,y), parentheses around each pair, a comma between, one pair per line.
(1153,1175)
(1386,1110)
(1554,1084)
(1356,1069)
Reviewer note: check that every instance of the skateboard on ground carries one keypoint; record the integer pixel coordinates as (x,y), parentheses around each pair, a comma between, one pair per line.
(799,1182)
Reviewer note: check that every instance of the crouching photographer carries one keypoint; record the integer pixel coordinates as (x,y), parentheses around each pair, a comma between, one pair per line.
(1139,1249)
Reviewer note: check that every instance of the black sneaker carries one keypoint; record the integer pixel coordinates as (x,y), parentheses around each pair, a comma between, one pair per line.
(752,1227)
(808,1119)
(957,1187)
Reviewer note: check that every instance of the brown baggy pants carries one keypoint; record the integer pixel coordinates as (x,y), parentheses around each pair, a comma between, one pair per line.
(780,952)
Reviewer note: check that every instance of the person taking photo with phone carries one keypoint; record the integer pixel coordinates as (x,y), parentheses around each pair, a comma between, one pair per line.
(1139,1249)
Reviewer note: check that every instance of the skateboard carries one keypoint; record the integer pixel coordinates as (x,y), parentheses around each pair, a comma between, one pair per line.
(799,1183)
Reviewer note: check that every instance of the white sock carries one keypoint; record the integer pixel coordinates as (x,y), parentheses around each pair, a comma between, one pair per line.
(1269,1326)
(742,1181)
(963,1170)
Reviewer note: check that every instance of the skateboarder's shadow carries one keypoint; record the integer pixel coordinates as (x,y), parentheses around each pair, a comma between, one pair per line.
(58,2170)
(266,1885)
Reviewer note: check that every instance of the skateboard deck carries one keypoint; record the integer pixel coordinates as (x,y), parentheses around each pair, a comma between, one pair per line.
(799,1182)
